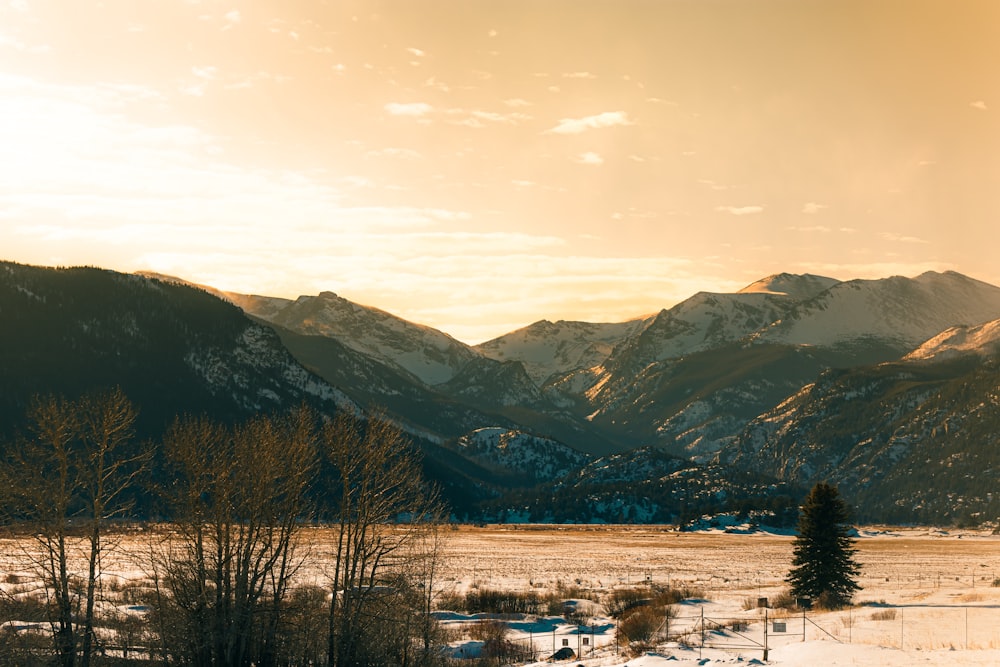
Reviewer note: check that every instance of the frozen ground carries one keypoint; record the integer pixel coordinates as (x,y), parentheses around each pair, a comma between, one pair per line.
(928,596)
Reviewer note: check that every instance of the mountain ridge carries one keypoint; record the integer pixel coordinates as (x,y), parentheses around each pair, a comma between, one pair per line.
(793,378)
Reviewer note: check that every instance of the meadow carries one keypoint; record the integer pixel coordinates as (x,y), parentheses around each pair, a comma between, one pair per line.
(927,594)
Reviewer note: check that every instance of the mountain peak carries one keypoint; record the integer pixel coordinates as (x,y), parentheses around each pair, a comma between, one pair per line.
(802,286)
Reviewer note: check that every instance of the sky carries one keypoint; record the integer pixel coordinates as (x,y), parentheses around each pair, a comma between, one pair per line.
(478,165)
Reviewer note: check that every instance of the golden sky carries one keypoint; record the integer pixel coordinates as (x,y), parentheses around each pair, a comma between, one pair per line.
(477,165)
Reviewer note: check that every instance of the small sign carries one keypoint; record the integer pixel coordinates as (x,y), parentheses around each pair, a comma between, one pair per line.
(779,626)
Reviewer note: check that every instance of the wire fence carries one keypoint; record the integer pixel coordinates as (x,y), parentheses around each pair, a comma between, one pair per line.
(909,627)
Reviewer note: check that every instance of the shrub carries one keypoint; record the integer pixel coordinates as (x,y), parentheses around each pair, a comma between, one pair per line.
(884,615)
(495,601)
(637,629)
(622,600)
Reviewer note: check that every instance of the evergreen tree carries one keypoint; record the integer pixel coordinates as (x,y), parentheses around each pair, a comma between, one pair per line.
(823,566)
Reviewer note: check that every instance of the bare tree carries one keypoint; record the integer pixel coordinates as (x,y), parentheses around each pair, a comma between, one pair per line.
(106,471)
(71,470)
(378,483)
(238,496)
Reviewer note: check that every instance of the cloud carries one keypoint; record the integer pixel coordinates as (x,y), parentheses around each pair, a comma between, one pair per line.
(578,125)
(233,16)
(516,102)
(811,208)
(478,118)
(404,153)
(416,52)
(579,75)
(740,210)
(902,238)
(978,104)
(408,109)
(590,158)
(814,228)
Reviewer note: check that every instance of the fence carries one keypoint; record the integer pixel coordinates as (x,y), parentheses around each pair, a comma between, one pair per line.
(909,627)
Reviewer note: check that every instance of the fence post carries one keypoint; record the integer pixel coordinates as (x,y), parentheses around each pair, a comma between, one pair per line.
(702,644)
(765,634)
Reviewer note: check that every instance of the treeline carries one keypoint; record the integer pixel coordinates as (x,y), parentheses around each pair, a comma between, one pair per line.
(223,585)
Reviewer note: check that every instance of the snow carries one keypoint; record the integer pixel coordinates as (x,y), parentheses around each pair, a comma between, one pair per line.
(904,310)
(983,340)
(927,597)
(550,349)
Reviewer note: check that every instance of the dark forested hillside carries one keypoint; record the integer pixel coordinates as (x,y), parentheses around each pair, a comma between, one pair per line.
(173,349)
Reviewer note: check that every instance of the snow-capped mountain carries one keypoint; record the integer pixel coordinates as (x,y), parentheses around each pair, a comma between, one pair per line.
(552,349)
(870,383)
(902,312)
(427,354)
(804,286)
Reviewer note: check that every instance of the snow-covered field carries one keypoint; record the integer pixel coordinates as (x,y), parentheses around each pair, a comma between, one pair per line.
(929,596)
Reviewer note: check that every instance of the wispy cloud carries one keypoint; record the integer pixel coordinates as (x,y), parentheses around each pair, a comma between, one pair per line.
(579,75)
(601,120)
(590,158)
(810,229)
(902,238)
(979,104)
(479,118)
(811,208)
(408,109)
(740,210)
(405,153)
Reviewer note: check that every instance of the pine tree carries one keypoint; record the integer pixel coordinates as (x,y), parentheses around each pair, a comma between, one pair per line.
(823,566)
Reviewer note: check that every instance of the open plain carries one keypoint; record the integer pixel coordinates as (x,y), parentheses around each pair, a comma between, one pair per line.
(928,596)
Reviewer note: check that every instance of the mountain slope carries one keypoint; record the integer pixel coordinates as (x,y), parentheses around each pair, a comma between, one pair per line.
(428,355)
(912,440)
(173,349)
(903,312)
(550,349)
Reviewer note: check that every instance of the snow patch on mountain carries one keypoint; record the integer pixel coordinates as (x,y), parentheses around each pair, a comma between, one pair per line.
(983,340)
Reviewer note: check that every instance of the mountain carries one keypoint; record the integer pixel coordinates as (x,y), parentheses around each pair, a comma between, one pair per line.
(529,458)
(723,402)
(646,485)
(698,372)
(437,386)
(430,356)
(982,340)
(910,440)
(550,349)
(900,312)
(173,349)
